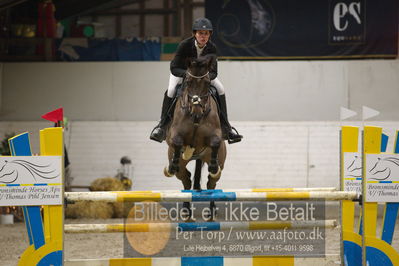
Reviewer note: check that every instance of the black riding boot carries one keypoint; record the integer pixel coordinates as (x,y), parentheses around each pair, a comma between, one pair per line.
(159,132)
(230,132)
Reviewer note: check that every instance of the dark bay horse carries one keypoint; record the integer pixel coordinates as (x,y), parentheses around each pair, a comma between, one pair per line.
(195,132)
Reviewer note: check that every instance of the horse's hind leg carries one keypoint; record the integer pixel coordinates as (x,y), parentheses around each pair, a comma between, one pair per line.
(212,181)
(210,215)
(184,176)
(212,208)
(197,174)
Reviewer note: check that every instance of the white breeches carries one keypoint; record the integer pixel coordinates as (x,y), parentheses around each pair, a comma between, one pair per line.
(173,81)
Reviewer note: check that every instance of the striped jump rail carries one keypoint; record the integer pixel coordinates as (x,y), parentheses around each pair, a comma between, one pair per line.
(200,226)
(303,189)
(209,261)
(208,195)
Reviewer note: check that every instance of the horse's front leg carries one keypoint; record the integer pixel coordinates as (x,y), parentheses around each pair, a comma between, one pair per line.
(214,174)
(174,158)
(213,166)
(185,177)
(209,215)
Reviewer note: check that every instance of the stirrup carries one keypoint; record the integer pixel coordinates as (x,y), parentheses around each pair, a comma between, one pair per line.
(234,140)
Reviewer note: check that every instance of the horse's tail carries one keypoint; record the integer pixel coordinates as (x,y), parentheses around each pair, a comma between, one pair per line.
(197,174)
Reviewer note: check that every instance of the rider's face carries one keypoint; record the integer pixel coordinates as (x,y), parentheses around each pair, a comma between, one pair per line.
(202,37)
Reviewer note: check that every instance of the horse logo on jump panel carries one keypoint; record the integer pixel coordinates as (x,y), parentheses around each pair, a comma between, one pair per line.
(355,168)
(384,168)
(12,171)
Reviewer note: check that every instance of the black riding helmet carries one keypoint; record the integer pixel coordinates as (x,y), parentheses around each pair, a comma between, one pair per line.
(202,24)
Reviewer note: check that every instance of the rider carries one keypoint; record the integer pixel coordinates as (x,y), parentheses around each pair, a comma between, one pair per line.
(195,46)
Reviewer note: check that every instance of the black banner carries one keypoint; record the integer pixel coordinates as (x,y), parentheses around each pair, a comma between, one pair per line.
(311,29)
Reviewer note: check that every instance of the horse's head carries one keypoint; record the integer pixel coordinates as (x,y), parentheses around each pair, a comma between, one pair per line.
(355,167)
(8,175)
(197,82)
(383,168)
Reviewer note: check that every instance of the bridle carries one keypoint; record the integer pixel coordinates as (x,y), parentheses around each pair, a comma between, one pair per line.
(197,100)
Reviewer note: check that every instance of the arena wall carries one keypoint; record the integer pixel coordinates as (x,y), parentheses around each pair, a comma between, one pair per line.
(256,91)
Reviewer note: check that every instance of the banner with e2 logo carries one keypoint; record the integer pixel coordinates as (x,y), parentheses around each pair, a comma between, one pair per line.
(347,23)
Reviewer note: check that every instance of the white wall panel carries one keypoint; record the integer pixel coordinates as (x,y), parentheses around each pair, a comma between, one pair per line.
(323,155)
(375,84)
(87,91)
(285,90)
(256,91)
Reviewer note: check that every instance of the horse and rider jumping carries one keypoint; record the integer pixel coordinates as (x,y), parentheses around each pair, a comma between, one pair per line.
(194,120)
(197,45)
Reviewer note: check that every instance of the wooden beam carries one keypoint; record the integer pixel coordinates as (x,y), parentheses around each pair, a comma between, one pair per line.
(118,26)
(23,41)
(7,4)
(48,49)
(166,24)
(198,4)
(67,10)
(94,18)
(188,17)
(22,58)
(177,18)
(145,11)
(142,19)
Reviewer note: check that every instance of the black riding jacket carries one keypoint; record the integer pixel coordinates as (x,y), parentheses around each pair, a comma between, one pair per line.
(187,49)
